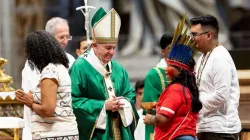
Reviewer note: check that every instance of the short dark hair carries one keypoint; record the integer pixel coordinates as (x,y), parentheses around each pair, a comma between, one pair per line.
(42,48)
(84,38)
(139,84)
(166,39)
(206,20)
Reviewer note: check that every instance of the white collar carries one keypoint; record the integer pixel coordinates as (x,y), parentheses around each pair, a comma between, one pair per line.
(162,64)
(97,64)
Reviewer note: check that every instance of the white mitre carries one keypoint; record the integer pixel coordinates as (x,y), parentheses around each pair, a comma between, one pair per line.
(106,26)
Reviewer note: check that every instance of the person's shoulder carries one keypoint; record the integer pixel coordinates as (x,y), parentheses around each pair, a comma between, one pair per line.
(116,64)
(70,57)
(117,67)
(174,90)
(80,65)
(221,54)
(175,87)
(80,61)
(27,66)
(50,67)
(221,51)
(152,72)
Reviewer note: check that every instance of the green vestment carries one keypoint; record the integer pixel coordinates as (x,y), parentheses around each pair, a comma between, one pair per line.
(155,83)
(89,94)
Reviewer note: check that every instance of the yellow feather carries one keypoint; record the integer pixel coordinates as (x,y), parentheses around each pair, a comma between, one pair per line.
(175,36)
(183,22)
(183,36)
(186,40)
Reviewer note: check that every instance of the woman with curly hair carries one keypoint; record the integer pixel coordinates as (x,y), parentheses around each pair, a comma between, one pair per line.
(52,114)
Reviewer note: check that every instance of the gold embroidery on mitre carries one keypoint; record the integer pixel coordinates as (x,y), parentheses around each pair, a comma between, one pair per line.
(113,24)
(106,39)
(112,39)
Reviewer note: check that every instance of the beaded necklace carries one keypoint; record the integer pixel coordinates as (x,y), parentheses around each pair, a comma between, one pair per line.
(203,64)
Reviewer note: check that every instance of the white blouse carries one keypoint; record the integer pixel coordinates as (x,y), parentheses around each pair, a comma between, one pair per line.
(63,122)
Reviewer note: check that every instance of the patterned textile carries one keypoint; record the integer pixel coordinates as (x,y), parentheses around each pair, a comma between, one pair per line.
(10,110)
(62,125)
(76,137)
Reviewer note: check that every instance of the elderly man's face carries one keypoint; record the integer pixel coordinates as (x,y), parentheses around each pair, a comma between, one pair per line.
(104,52)
(62,34)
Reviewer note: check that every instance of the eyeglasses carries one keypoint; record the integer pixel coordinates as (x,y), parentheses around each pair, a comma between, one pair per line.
(62,37)
(194,35)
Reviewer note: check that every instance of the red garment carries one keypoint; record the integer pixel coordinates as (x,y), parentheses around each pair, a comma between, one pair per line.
(172,104)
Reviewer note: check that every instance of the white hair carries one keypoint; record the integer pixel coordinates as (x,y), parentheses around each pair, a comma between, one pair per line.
(53,22)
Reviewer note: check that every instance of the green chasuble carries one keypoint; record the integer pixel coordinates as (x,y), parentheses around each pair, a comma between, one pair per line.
(89,93)
(155,82)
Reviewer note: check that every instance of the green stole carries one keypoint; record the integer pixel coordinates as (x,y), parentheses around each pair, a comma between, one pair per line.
(89,92)
(155,83)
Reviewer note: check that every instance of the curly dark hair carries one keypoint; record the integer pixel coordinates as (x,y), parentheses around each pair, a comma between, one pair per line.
(187,79)
(42,48)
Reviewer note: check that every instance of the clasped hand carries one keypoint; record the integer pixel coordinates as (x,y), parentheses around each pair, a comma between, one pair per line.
(147,119)
(114,103)
(25,98)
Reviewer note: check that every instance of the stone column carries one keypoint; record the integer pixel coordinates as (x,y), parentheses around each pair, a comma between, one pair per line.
(6,30)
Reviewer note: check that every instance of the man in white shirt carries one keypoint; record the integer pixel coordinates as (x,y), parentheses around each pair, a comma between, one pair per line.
(217,80)
(59,28)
